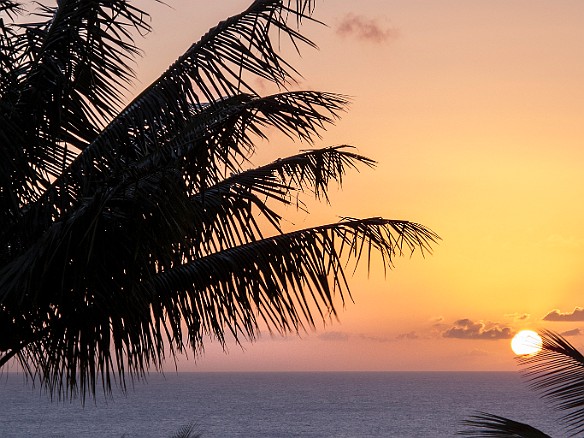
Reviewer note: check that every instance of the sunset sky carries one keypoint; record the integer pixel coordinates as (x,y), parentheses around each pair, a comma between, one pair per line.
(474,111)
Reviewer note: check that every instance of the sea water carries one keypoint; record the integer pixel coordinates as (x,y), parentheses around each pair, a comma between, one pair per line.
(380,404)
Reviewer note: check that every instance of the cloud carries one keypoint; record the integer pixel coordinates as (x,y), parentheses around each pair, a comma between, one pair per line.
(334,337)
(466,329)
(556,315)
(407,336)
(518,316)
(375,338)
(366,29)
(573,332)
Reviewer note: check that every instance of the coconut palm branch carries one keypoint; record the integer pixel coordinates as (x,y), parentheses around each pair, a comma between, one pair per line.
(131,234)
(557,373)
(489,425)
(187,431)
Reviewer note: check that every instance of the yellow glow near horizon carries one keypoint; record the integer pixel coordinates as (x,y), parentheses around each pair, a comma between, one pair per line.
(526,342)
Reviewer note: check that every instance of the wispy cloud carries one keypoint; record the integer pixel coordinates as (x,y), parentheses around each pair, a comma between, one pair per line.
(407,336)
(334,337)
(518,316)
(366,29)
(467,329)
(555,315)
(374,338)
(476,352)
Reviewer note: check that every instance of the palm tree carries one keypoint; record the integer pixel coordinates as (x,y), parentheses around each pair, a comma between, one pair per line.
(557,372)
(188,431)
(130,233)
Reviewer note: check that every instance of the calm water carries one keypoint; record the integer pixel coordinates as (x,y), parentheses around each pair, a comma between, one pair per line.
(277,405)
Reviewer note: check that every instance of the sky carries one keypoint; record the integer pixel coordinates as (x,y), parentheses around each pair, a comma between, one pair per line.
(473,110)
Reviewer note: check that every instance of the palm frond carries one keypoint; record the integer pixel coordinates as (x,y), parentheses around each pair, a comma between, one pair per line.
(165,107)
(221,136)
(159,200)
(187,431)
(557,373)
(489,425)
(10,7)
(81,51)
(128,237)
(209,71)
(63,83)
(8,46)
(215,142)
(117,318)
(224,212)
(285,278)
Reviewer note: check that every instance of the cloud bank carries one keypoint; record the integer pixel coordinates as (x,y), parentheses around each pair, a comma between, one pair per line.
(407,336)
(556,315)
(467,329)
(334,337)
(366,29)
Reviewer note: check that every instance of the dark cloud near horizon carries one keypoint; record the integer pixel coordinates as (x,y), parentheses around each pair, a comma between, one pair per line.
(334,336)
(375,338)
(366,29)
(467,329)
(407,336)
(573,332)
(556,315)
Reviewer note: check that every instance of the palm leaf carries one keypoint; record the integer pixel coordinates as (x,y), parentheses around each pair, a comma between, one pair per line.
(489,425)
(283,281)
(64,81)
(164,107)
(221,137)
(83,48)
(187,431)
(208,71)
(283,277)
(10,7)
(127,237)
(8,46)
(224,216)
(213,144)
(557,373)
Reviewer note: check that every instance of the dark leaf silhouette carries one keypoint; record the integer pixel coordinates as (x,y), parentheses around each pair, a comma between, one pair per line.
(131,233)
(488,425)
(557,373)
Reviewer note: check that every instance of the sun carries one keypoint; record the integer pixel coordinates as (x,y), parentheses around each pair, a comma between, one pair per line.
(526,342)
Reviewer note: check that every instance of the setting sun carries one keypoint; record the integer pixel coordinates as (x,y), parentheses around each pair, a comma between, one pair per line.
(526,342)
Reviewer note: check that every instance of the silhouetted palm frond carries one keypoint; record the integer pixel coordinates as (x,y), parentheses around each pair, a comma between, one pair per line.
(557,373)
(188,431)
(128,234)
(489,425)
(64,79)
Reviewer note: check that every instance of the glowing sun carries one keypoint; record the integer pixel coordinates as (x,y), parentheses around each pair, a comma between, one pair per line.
(526,342)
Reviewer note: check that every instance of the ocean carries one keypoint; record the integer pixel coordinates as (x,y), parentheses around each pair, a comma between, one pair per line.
(363,404)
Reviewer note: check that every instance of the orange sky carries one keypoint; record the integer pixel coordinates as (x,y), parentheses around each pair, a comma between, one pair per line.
(474,111)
